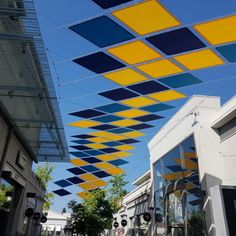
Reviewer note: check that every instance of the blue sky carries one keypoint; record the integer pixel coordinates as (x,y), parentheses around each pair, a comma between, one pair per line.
(77,87)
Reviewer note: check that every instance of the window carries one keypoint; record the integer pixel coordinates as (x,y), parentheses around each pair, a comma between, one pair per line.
(228,129)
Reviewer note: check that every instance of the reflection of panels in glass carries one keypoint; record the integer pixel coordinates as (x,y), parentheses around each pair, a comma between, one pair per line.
(102,31)
(61,192)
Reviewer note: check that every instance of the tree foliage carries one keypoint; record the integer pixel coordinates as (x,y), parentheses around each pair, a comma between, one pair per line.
(95,213)
(44,175)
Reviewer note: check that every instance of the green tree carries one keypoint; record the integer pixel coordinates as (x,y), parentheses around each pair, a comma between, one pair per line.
(44,175)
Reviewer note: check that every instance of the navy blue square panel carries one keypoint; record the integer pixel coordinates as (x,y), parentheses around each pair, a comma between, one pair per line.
(83,136)
(101,174)
(119,94)
(175,168)
(81,147)
(148,118)
(105,4)
(176,41)
(89,168)
(99,62)
(75,180)
(103,127)
(229,52)
(92,160)
(83,141)
(61,192)
(112,144)
(120,130)
(63,183)
(109,150)
(129,141)
(79,154)
(76,171)
(157,107)
(111,108)
(94,152)
(108,118)
(88,113)
(102,31)
(182,80)
(140,126)
(148,87)
(118,162)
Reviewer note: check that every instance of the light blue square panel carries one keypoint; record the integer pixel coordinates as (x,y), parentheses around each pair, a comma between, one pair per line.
(228,51)
(157,107)
(118,162)
(120,130)
(181,80)
(108,118)
(102,31)
(113,107)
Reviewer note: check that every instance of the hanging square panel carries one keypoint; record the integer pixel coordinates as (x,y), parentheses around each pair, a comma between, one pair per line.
(102,31)
(157,107)
(118,162)
(101,174)
(144,17)
(107,118)
(121,154)
(140,126)
(99,63)
(125,123)
(82,141)
(96,145)
(218,31)
(229,52)
(80,147)
(83,194)
(61,192)
(109,150)
(199,59)
(84,136)
(88,113)
(176,41)
(167,96)
(94,152)
(148,118)
(88,177)
(129,141)
(92,160)
(115,171)
(160,68)
(84,123)
(112,144)
(114,107)
(134,52)
(104,165)
(139,102)
(107,157)
(75,180)
(105,4)
(99,140)
(133,134)
(87,186)
(63,183)
(125,147)
(99,183)
(120,130)
(76,171)
(125,77)
(79,154)
(89,168)
(131,113)
(104,127)
(181,80)
(119,94)
(78,162)
(148,87)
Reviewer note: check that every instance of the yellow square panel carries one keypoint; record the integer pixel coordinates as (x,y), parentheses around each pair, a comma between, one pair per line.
(106,157)
(108,135)
(84,123)
(200,59)
(104,165)
(160,68)
(218,31)
(87,186)
(121,154)
(115,171)
(96,145)
(83,194)
(134,52)
(131,113)
(166,96)
(125,77)
(124,123)
(98,140)
(146,17)
(125,147)
(88,177)
(78,162)
(138,102)
(99,183)
(133,134)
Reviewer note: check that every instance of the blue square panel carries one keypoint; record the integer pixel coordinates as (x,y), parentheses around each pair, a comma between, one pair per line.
(76,171)
(75,180)
(103,127)
(112,144)
(92,160)
(182,80)
(108,118)
(157,107)
(101,174)
(83,141)
(119,94)
(89,168)
(94,152)
(129,141)
(109,150)
(61,192)
(229,52)
(118,162)
(120,130)
(81,147)
(148,118)
(140,126)
(88,113)
(148,87)
(111,108)
(102,31)
(63,183)
(99,63)
(176,41)
(83,136)
(79,154)
(105,4)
